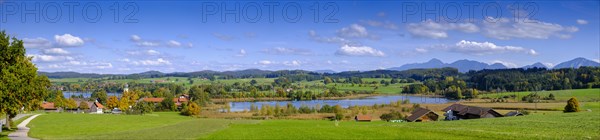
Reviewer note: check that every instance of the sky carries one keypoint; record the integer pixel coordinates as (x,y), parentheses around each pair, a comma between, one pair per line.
(120,37)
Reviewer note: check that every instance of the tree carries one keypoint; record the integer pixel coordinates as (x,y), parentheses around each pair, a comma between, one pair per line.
(191,109)
(83,105)
(339,112)
(572,105)
(198,95)
(167,104)
(99,95)
(327,80)
(20,86)
(112,102)
(253,82)
(141,108)
(71,103)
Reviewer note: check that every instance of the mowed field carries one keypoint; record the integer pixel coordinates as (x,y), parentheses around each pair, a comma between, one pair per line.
(170,125)
(560,95)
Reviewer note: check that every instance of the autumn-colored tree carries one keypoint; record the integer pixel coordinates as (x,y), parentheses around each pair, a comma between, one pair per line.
(71,103)
(20,86)
(191,109)
(112,102)
(83,105)
(572,105)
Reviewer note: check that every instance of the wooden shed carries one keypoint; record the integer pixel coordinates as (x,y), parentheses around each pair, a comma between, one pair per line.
(363,118)
(422,115)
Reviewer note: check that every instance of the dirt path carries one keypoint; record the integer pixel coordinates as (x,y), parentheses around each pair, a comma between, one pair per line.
(21,133)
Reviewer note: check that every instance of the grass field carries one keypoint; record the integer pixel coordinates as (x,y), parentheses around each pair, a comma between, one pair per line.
(170,125)
(560,95)
(4,133)
(161,125)
(550,126)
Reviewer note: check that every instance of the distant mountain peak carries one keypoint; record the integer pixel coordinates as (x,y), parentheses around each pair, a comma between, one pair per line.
(576,63)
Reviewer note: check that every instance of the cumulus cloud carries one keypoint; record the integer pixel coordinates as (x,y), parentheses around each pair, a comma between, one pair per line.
(265,62)
(434,30)
(383,24)
(36,43)
(146,52)
(173,43)
(582,22)
(49,58)
(287,51)
(68,40)
(55,51)
(479,48)
(157,62)
(136,38)
(504,28)
(348,50)
(292,63)
(354,31)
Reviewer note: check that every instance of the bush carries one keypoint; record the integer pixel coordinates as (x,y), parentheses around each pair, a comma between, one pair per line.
(572,105)
(141,108)
(191,109)
(394,115)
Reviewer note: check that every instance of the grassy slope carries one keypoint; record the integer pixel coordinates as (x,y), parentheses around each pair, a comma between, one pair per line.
(550,126)
(161,125)
(561,95)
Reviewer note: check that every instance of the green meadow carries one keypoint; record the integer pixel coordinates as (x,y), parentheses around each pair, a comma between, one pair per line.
(560,95)
(170,125)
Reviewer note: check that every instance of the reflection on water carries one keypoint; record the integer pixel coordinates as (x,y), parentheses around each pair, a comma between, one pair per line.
(240,106)
(68,94)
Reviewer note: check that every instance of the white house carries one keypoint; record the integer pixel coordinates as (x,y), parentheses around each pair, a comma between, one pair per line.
(96,108)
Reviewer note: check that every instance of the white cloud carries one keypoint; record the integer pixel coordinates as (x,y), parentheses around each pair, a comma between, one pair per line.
(173,43)
(292,63)
(504,28)
(36,43)
(421,50)
(148,44)
(582,22)
(348,50)
(190,45)
(287,51)
(265,62)
(68,40)
(55,51)
(550,65)
(241,53)
(507,64)
(49,58)
(483,48)
(136,38)
(157,62)
(434,30)
(146,52)
(354,31)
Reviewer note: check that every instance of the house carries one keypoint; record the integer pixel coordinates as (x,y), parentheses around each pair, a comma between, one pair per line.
(178,101)
(362,118)
(459,111)
(513,113)
(97,108)
(422,115)
(49,107)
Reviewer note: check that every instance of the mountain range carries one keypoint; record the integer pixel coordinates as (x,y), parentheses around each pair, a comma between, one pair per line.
(467,65)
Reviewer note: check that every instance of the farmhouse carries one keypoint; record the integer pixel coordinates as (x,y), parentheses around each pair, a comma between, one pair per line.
(459,111)
(96,107)
(362,118)
(49,107)
(422,115)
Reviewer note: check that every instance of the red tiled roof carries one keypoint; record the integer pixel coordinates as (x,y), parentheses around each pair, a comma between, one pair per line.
(180,100)
(98,105)
(363,117)
(48,105)
(154,100)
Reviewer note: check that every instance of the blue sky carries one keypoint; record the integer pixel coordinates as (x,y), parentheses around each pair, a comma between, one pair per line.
(348,35)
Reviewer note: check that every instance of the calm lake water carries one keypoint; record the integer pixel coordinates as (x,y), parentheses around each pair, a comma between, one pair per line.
(241,106)
(68,94)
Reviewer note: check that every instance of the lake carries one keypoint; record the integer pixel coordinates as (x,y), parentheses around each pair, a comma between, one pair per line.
(369,101)
(68,94)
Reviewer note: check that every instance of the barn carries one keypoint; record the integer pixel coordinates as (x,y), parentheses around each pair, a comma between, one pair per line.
(422,115)
(459,112)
